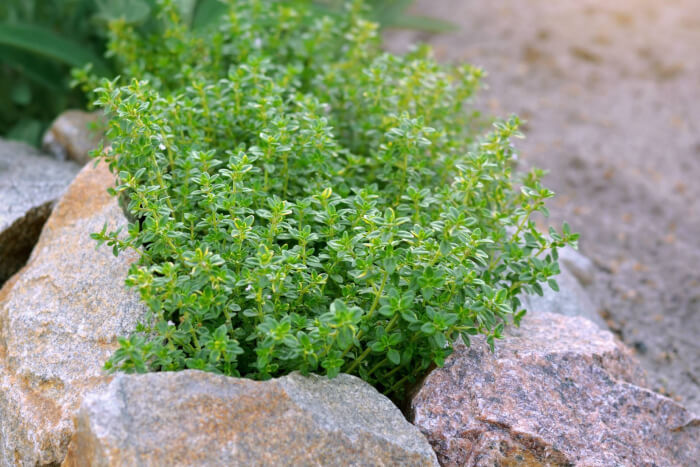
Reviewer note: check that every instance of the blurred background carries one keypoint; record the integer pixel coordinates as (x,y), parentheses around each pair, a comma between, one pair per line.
(610,91)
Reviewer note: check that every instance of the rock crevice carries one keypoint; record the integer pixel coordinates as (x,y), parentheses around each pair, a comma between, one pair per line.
(30,184)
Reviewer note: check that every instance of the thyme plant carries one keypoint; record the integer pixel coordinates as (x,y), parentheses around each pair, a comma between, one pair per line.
(302,200)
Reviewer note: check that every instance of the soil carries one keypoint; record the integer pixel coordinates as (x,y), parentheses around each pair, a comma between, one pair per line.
(611,94)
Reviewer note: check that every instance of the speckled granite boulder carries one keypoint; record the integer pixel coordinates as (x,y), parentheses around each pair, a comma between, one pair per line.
(59,319)
(192,418)
(30,183)
(72,136)
(558,391)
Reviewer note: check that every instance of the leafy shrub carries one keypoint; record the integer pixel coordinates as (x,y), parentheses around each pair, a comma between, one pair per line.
(303,201)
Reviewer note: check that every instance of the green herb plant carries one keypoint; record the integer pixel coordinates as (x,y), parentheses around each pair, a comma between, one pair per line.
(301,200)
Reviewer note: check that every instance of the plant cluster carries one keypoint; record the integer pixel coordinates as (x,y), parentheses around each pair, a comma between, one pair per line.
(301,200)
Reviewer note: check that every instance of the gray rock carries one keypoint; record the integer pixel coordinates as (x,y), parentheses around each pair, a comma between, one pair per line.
(581,267)
(557,391)
(74,134)
(30,183)
(59,320)
(571,300)
(198,419)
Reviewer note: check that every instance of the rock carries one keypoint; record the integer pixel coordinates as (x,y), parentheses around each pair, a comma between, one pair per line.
(30,183)
(557,391)
(581,267)
(59,319)
(197,418)
(571,300)
(73,135)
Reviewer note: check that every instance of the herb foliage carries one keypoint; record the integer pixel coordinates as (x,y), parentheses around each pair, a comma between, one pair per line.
(302,200)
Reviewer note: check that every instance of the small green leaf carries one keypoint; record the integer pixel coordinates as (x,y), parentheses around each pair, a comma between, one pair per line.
(409,316)
(208,12)
(394,356)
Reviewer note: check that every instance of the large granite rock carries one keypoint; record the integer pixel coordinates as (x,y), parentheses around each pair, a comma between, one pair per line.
(557,391)
(30,183)
(73,135)
(59,319)
(192,418)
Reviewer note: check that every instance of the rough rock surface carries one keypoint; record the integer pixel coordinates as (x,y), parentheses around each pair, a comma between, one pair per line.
(72,137)
(571,300)
(557,391)
(59,319)
(29,185)
(196,418)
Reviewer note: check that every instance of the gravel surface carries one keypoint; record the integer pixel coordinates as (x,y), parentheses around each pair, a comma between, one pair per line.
(611,94)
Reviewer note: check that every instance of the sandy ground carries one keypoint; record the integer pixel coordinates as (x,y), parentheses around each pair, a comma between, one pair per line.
(611,92)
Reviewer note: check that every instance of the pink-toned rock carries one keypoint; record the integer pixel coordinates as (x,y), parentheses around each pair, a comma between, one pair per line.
(557,391)
(59,320)
(73,135)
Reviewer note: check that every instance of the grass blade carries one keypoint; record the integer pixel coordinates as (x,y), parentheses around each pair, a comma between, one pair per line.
(43,42)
